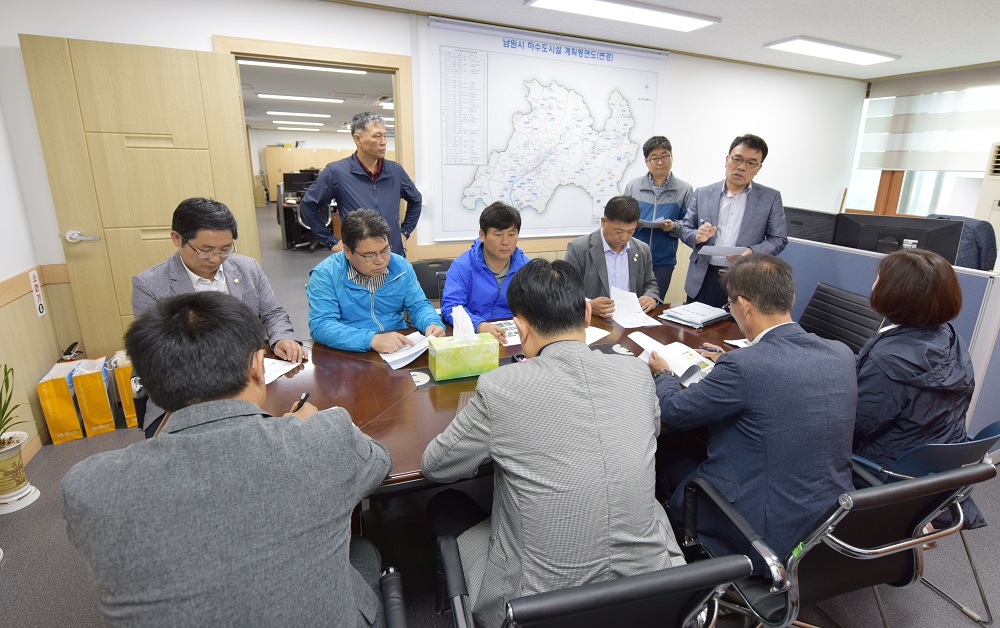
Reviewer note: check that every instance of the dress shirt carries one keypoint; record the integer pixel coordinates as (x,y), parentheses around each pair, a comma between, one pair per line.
(370,283)
(617,265)
(763,333)
(731,210)
(216,284)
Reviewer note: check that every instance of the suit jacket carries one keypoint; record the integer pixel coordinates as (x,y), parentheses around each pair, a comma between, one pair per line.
(245,280)
(559,519)
(242,520)
(586,254)
(763,228)
(780,419)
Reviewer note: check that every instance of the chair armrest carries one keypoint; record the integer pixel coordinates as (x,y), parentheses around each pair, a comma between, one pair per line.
(391,584)
(756,539)
(863,468)
(454,582)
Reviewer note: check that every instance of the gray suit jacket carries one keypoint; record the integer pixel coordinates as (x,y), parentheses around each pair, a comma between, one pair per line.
(586,254)
(780,419)
(561,516)
(241,520)
(245,280)
(763,228)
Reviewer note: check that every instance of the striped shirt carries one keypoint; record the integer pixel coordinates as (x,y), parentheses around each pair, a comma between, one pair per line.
(370,283)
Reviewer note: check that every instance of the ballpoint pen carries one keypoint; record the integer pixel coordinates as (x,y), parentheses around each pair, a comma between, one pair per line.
(712,349)
(301,402)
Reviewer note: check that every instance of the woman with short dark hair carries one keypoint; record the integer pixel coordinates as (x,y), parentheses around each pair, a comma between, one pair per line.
(915,378)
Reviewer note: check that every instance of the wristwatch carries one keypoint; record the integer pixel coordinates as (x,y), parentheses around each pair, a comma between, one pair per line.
(657,374)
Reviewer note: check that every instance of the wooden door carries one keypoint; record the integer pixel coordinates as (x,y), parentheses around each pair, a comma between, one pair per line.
(127,133)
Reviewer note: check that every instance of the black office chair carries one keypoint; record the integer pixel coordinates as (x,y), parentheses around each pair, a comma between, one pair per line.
(427,274)
(391,585)
(669,597)
(837,314)
(870,536)
(924,460)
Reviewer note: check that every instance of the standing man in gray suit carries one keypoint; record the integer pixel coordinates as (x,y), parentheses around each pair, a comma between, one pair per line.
(610,257)
(561,517)
(238,518)
(779,416)
(204,232)
(736,213)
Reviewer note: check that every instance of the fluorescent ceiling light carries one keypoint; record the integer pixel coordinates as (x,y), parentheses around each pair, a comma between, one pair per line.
(299,115)
(292,66)
(830,50)
(300,123)
(390,126)
(389,119)
(632,12)
(305,98)
(343,130)
(291,128)
(388,105)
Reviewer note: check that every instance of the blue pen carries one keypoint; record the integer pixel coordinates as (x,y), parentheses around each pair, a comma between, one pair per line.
(712,349)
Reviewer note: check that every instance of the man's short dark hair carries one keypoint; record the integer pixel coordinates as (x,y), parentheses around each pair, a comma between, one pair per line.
(362,224)
(916,287)
(753,142)
(657,141)
(764,280)
(198,213)
(549,295)
(360,121)
(622,209)
(499,216)
(194,347)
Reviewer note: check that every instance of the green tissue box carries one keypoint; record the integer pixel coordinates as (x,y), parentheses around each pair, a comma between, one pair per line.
(450,358)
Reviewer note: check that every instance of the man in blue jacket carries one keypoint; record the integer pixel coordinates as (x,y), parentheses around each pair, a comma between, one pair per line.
(365,179)
(478,279)
(357,297)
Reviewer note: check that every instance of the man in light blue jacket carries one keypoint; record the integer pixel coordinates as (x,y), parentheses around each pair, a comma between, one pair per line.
(478,279)
(357,297)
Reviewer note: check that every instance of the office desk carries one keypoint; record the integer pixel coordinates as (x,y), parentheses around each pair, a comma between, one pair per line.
(389,407)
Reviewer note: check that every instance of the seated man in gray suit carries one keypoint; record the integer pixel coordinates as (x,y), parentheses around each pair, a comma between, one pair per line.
(559,519)
(779,416)
(734,212)
(237,518)
(610,257)
(204,232)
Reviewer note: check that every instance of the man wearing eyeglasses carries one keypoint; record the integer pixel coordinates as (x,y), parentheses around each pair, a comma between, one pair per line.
(662,197)
(204,232)
(733,213)
(357,297)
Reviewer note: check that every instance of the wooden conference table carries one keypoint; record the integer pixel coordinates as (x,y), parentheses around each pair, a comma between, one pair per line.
(388,406)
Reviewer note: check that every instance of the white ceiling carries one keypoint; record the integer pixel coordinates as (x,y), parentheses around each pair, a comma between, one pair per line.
(927,35)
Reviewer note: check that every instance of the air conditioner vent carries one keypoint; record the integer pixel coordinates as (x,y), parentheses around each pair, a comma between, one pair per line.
(993,168)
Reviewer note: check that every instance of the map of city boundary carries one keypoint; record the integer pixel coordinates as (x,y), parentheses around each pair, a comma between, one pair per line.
(554,144)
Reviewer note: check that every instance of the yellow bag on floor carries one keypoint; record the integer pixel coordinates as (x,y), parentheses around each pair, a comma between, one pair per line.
(465,354)
(90,379)
(123,382)
(55,392)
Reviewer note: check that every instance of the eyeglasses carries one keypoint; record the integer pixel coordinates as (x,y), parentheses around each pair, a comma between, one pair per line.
(739,161)
(659,160)
(223,253)
(727,307)
(371,256)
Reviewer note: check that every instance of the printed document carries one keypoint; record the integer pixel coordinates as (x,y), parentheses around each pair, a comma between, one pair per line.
(628,313)
(401,357)
(688,365)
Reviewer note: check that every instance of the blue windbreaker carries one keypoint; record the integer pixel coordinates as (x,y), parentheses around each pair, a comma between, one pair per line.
(473,285)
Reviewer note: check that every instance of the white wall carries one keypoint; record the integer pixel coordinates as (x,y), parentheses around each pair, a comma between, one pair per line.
(809,122)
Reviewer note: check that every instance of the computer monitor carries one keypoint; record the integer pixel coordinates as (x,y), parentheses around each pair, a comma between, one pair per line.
(298,181)
(885,234)
(810,225)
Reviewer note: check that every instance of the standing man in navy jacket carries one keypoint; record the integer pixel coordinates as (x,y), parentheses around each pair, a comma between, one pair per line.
(365,179)
(478,279)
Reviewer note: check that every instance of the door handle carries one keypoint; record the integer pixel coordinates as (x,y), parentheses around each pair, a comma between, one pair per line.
(75,236)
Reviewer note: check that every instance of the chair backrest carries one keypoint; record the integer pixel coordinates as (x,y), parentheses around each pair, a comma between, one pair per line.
(837,314)
(938,457)
(876,518)
(427,271)
(669,597)
(993,429)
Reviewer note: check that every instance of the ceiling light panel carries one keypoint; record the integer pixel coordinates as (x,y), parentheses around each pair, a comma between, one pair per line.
(299,123)
(292,66)
(298,115)
(632,12)
(303,98)
(289,128)
(831,50)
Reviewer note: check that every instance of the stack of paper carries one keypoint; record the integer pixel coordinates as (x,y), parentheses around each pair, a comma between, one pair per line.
(628,313)
(409,353)
(695,315)
(273,369)
(688,365)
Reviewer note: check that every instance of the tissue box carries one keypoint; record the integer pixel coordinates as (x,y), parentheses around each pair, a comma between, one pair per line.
(450,358)
(55,393)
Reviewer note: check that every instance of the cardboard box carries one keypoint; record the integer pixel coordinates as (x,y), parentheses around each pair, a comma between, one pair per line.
(450,358)
(55,392)
(90,379)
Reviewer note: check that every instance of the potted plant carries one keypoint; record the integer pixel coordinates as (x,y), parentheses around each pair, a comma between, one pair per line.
(15,491)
